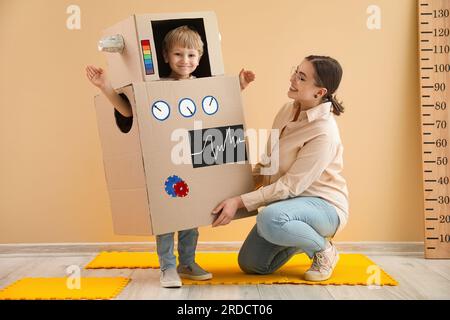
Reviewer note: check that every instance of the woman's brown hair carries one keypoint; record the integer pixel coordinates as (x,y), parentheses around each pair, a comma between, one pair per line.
(328,74)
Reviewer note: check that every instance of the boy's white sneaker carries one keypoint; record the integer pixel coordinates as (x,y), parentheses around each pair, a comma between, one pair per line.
(323,264)
(170,279)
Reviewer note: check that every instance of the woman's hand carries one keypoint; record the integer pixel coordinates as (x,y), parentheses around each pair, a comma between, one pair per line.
(96,76)
(245,77)
(229,208)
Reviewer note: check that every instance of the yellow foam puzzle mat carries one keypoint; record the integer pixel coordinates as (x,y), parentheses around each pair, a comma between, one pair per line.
(352,269)
(124,260)
(60,289)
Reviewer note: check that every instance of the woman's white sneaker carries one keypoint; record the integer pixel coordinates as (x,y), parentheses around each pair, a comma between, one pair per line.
(323,264)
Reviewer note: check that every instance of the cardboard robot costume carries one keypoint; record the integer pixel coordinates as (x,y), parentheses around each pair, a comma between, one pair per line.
(185,149)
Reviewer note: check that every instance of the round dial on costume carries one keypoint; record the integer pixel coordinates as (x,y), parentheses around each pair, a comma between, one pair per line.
(160,110)
(210,105)
(187,107)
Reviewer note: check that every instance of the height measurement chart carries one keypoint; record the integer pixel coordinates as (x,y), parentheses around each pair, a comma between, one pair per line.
(434,51)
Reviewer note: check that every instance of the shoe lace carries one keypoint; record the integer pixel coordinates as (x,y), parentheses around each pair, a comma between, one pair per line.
(320,262)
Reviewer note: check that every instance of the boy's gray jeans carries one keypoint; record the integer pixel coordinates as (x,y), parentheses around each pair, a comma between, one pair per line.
(187,243)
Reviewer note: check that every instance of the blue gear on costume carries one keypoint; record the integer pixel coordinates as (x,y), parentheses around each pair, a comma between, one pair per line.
(170,182)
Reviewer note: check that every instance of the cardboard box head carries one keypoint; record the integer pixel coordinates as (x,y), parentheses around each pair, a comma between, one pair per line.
(182,153)
(140,57)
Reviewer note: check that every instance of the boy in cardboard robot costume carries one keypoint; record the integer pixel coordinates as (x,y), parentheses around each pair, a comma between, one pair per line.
(172,150)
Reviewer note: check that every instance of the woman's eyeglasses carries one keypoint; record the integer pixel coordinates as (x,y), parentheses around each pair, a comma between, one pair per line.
(298,76)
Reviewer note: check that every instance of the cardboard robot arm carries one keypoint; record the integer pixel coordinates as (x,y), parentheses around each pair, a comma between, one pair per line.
(114,43)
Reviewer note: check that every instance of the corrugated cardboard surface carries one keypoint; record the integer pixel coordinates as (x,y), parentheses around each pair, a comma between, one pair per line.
(141,160)
(124,170)
(127,67)
(144,31)
(208,186)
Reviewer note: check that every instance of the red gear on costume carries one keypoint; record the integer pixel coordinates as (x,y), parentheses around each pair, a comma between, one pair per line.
(181,189)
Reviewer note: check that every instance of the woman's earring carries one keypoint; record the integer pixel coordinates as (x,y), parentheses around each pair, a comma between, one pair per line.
(315,96)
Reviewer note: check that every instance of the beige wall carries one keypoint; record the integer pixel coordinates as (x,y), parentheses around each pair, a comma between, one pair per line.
(52,186)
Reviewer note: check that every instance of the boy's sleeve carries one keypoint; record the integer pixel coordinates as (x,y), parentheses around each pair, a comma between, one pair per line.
(124,123)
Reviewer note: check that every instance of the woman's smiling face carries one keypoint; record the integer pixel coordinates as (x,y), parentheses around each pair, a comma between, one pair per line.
(303,86)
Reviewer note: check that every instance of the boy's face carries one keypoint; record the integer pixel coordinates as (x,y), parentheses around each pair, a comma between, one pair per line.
(182,61)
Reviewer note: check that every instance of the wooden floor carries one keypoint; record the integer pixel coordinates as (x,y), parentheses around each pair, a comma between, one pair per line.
(418,278)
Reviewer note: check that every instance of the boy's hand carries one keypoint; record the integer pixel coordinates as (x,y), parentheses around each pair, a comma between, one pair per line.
(96,76)
(245,77)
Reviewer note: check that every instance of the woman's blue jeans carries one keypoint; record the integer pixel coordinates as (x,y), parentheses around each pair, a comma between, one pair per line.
(285,228)
(187,243)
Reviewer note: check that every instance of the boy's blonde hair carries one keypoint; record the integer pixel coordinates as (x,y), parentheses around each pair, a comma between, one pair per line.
(184,37)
